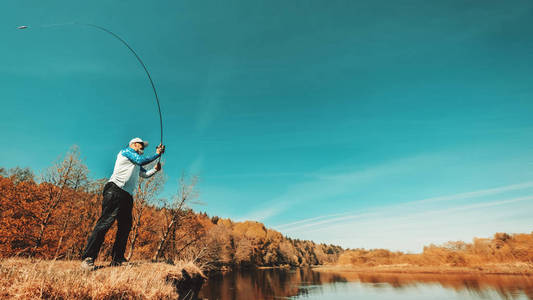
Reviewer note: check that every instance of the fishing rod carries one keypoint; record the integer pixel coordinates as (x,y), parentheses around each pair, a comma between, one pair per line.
(116,36)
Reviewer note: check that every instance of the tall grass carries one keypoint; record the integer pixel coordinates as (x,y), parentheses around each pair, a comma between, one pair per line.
(41,279)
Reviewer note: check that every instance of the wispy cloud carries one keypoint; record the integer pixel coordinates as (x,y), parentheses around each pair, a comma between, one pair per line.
(258,175)
(324,221)
(479,193)
(403,217)
(321,220)
(265,213)
(291,224)
(409,227)
(324,185)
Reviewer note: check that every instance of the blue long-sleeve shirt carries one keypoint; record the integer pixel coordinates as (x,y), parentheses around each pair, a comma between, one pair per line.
(128,168)
(136,158)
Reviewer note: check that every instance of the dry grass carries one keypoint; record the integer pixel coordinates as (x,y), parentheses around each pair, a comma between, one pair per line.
(41,279)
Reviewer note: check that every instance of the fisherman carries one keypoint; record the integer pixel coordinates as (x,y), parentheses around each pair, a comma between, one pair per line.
(117,201)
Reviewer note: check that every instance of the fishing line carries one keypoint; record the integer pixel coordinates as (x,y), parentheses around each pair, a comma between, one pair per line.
(132,51)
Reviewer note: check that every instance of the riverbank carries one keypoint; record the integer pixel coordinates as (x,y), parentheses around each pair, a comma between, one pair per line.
(518,268)
(47,279)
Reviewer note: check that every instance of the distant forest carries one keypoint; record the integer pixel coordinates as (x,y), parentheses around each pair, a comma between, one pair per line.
(51,215)
(516,249)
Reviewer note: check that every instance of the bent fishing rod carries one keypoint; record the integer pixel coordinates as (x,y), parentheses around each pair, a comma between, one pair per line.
(116,36)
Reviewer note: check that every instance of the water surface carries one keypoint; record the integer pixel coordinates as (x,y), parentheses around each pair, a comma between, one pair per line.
(309,284)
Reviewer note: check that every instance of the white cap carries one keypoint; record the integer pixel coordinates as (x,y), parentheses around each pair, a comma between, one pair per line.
(139,140)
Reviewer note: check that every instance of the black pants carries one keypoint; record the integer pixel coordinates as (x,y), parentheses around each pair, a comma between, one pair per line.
(117,204)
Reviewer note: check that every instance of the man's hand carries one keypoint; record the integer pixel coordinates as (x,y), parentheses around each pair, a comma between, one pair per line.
(160,149)
(157,166)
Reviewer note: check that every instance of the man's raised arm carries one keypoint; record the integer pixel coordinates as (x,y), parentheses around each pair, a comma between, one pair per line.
(138,159)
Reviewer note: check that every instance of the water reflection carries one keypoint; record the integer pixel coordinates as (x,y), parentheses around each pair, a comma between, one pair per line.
(270,284)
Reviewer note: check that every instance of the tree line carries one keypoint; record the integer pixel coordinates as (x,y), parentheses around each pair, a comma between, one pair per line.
(50,216)
(501,248)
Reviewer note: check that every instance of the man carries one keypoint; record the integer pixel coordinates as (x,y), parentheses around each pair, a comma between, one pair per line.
(117,202)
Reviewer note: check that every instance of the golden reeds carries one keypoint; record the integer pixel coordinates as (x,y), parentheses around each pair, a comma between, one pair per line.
(42,279)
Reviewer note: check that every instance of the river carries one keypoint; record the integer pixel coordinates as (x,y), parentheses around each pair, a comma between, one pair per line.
(310,284)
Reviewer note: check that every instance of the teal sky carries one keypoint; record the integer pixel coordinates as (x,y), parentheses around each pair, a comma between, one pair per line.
(362,123)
